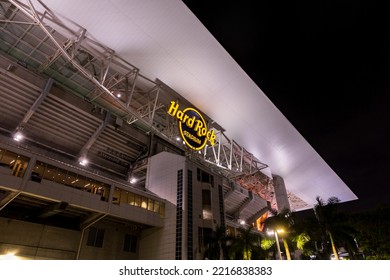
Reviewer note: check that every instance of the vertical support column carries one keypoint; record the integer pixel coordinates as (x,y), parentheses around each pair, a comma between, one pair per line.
(280,193)
(28,172)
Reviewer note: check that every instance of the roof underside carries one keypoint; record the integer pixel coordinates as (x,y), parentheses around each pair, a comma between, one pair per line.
(151,51)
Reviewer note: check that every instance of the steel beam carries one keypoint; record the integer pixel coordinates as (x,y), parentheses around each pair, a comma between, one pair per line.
(95,135)
(36,104)
(227,156)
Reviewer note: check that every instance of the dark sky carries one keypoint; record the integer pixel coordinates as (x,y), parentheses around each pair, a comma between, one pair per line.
(326,66)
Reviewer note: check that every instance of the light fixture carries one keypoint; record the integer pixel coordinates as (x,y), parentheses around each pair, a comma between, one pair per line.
(83,161)
(18,136)
(133,180)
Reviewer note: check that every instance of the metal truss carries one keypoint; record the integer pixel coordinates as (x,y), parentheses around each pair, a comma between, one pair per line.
(98,75)
(229,155)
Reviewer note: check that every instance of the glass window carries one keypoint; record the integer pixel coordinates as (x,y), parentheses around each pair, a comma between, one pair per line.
(95,237)
(95,187)
(40,167)
(8,158)
(144,203)
(206,204)
(49,173)
(130,244)
(130,199)
(124,198)
(89,185)
(17,163)
(137,200)
(80,182)
(116,195)
(60,176)
(103,190)
(71,179)
(37,173)
(156,206)
(150,204)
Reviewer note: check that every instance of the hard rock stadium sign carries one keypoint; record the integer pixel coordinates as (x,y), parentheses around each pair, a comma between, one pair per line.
(192,127)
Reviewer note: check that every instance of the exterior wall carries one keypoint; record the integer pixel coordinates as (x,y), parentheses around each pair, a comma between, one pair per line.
(162,179)
(113,243)
(159,243)
(199,222)
(36,241)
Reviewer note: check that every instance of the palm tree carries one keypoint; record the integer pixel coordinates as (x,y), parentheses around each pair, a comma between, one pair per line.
(373,231)
(289,231)
(217,244)
(301,240)
(244,244)
(282,223)
(326,216)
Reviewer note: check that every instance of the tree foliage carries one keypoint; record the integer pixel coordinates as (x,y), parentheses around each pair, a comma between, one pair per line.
(373,231)
(362,235)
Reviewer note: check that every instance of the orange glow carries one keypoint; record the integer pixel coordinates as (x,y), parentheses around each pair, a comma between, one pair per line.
(261,221)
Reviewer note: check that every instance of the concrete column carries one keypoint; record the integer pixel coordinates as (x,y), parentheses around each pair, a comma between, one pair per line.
(28,172)
(280,193)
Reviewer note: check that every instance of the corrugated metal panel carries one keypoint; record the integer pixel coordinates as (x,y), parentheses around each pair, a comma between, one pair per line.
(110,139)
(16,99)
(58,122)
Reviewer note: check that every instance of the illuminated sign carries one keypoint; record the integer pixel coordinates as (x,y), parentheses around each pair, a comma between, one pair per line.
(192,127)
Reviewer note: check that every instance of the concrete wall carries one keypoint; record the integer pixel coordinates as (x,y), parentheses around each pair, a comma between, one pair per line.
(160,243)
(36,241)
(161,179)
(112,249)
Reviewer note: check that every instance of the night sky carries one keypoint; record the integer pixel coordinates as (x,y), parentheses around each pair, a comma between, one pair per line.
(326,66)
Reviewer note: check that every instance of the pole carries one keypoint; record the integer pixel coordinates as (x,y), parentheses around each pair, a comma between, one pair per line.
(278,245)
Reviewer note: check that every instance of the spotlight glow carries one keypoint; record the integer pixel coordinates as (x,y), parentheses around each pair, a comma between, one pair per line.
(83,161)
(9,256)
(18,136)
(133,180)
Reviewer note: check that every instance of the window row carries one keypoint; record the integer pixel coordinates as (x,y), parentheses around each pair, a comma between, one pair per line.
(71,179)
(16,165)
(96,238)
(13,163)
(205,177)
(125,197)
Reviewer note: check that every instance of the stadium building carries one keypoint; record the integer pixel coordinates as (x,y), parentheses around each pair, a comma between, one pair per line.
(128,132)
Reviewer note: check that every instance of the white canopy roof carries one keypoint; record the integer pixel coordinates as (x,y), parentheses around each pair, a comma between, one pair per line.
(167,42)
